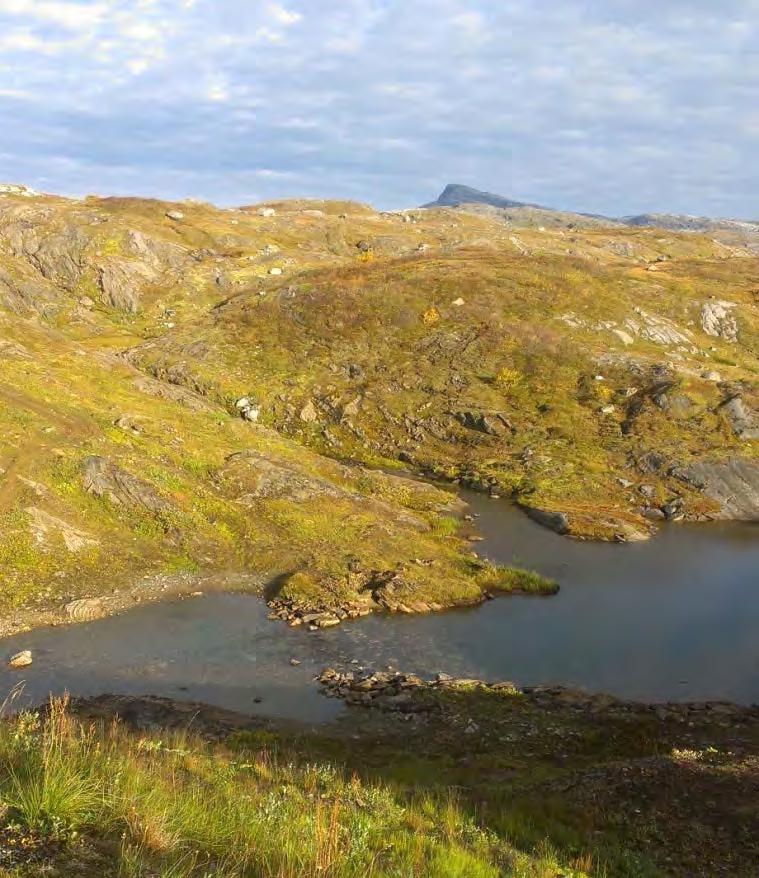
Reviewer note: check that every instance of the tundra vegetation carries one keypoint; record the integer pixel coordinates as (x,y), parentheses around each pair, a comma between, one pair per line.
(193,398)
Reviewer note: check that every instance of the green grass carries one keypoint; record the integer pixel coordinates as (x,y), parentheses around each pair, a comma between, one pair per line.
(513,580)
(175,806)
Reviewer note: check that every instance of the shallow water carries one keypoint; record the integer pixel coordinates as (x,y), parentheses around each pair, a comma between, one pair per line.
(676,618)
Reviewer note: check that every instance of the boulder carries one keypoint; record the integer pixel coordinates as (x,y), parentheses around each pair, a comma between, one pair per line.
(555,521)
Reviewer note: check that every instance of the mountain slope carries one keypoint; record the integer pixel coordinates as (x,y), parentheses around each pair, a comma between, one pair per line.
(573,370)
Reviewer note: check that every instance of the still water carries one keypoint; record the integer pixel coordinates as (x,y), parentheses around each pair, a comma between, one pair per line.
(676,618)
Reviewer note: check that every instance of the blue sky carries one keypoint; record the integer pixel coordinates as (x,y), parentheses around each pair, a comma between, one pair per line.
(615,106)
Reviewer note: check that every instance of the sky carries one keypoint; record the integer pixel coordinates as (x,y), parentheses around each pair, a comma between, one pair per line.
(609,106)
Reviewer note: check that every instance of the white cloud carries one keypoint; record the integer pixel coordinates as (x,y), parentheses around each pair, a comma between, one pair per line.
(576,102)
(72,16)
(283,16)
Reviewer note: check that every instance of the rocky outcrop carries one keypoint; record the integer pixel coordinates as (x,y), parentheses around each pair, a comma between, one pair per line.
(153,252)
(46,527)
(59,256)
(251,476)
(742,419)
(733,484)
(718,320)
(85,610)
(121,282)
(172,393)
(103,479)
(23,295)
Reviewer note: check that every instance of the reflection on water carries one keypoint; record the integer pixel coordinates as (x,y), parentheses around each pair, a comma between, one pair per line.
(674,618)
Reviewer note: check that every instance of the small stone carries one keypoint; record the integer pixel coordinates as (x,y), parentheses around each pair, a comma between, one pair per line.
(294,662)
(175,215)
(458,302)
(309,413)
(267,212)
(21,659)
(275,271)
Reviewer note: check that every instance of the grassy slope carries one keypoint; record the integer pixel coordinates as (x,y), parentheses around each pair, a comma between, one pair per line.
(357,355)
(65,395)
(538,791)
(386,340)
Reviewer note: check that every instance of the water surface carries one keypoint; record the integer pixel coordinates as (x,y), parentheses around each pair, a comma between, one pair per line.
(676,618)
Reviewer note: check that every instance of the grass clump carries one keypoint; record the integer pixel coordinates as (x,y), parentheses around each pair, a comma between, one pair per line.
(494,577)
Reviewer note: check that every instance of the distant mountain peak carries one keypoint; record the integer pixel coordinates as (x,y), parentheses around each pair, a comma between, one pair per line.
(456,194)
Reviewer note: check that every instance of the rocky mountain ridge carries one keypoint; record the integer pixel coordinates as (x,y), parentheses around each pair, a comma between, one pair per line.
(458,195)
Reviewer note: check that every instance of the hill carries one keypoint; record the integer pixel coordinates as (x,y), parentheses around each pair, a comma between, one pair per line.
(194,398)
(176,376)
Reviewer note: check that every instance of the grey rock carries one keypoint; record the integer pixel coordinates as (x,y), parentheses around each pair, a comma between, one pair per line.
(742,419)
(477,421)
(732,483)
(103,479)
(555,521)
(651,462)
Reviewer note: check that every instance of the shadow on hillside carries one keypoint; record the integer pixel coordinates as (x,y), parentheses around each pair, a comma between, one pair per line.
(617,806)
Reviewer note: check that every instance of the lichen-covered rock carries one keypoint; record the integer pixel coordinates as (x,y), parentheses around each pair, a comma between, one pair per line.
(45,527)
(742,419)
